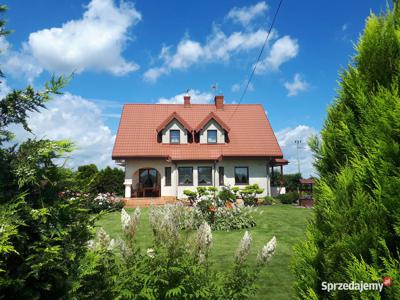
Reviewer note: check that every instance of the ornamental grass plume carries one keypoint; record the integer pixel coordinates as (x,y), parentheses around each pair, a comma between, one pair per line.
(103,238)
(130,223)
(165,225)
(204,238)
(267,251)
(244,248)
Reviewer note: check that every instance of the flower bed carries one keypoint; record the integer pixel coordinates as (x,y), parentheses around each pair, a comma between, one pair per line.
(220,210)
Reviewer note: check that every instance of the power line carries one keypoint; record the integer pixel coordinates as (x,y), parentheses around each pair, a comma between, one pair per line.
(258,59)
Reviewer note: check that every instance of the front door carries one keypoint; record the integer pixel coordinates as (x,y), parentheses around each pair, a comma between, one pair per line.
(148,179)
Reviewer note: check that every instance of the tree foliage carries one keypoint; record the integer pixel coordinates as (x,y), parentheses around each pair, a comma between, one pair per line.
(355,234)
(42,235)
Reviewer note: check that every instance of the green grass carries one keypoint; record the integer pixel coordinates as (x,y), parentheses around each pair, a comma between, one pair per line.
(286,222)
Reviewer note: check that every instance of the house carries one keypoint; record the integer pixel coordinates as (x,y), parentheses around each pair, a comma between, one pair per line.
(167,148)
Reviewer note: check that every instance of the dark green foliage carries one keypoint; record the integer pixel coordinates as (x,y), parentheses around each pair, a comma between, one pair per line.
(110,180)
(227,195)
(42,236)
(87,172)
(355,235)
(268,200)
(249,194)
(290,181)
(288,198)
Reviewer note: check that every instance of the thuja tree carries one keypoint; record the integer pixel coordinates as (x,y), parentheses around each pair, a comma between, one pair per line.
(355,233)
(42,236)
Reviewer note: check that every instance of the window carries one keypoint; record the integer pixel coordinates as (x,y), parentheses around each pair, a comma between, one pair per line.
(167,176)
(205,175)
(175,136)
(221,174)
(148,177)
(211,136)
(185,175)
(241,175)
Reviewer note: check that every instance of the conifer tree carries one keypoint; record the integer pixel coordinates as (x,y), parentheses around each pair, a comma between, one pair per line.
(355,232)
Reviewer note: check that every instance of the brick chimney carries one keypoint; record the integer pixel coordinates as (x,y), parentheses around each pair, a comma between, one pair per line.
(186,101)
(219,102)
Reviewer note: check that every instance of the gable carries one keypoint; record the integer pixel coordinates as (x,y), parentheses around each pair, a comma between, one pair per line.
(212,125)
(174,125)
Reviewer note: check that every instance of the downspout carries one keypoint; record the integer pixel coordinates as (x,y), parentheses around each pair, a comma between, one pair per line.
(176,180)
(215,172)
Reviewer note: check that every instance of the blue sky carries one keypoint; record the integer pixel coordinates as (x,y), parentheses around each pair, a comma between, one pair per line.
(153,51)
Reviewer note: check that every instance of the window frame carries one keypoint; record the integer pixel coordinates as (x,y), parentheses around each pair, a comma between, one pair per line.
(170,136)
(216,136)
(198,176)
(247,177)
(221,176)
(168,176)
(179,175)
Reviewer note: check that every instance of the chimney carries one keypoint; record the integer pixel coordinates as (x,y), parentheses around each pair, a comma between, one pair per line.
(186,101)
(219,102)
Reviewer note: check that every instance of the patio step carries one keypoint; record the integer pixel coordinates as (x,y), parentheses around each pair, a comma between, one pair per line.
(147,201)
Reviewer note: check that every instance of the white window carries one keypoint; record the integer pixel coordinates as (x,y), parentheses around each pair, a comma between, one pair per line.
(175,136)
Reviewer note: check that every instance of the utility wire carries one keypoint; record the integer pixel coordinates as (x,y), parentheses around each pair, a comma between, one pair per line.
(258,59)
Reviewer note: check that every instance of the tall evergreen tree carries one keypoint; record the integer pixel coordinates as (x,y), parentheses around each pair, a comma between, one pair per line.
(355,233)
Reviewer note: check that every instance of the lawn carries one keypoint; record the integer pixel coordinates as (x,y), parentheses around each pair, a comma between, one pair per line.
(286,222)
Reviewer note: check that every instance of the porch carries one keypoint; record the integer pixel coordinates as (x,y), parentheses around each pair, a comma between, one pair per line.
(145,184)
(148,201)
(277,179)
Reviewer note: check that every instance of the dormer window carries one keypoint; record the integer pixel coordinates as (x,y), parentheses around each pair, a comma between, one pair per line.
(211,136)
(175,136)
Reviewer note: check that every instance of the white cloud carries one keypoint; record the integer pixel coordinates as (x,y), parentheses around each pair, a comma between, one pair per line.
(286,138)
(218,47)
(298,85)
(195,97)
(20,63)
(283,50)
(94,42)
(244,15)
(344,27)
(237,87)
(77,119)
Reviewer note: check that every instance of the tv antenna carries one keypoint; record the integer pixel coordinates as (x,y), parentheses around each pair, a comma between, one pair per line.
(298,146)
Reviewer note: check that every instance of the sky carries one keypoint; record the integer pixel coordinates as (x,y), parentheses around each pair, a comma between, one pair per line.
(154,51)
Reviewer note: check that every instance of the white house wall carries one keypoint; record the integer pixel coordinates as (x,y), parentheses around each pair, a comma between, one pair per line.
(258,173)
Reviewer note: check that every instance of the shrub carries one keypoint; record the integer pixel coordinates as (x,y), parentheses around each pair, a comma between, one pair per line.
(103,202)
(227,219)
(249,194)
(220,214)
(227,194)
(288,198)
(268,200)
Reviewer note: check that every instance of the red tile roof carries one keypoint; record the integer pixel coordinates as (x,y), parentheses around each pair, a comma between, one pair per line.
(207,119)
(177,117)
(307,181)
(250,132)
(280,162)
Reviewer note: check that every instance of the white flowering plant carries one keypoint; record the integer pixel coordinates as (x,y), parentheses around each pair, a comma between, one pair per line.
(175,266)
(103,202)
